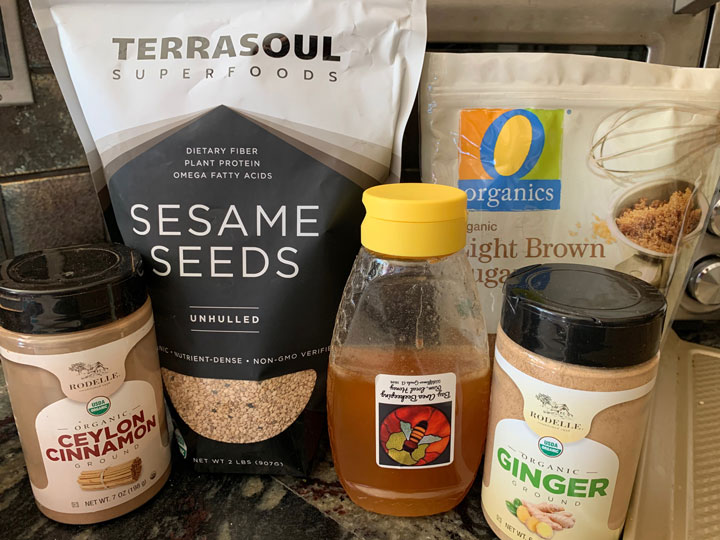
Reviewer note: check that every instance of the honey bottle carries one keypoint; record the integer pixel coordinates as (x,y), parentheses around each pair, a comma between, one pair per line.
(409,374)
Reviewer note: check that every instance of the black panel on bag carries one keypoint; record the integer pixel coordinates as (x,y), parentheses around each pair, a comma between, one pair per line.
(296,316)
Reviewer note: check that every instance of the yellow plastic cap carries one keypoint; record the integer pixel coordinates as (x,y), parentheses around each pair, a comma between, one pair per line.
(414,220)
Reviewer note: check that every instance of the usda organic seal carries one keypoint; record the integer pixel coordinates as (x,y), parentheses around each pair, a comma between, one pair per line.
(98,406)
(550,446)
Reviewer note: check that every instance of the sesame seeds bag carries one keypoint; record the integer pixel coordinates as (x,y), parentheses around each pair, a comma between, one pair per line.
(231,143)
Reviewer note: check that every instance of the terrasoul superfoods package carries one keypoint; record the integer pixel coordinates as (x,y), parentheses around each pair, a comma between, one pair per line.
(570,158)
(234,140)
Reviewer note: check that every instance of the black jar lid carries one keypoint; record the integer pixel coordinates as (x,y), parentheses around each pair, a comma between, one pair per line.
(583,315)
(71,288)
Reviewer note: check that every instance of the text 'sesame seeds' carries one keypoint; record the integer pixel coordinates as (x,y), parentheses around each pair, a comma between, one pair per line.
(233,141)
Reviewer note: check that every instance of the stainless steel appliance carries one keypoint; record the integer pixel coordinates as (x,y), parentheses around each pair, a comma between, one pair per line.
(673,32)
(14,77)
(676,494)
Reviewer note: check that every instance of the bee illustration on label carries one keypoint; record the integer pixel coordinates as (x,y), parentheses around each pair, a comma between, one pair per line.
(414,435)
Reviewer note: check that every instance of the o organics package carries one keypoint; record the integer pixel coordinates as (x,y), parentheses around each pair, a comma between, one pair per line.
(234,140)
(573,159)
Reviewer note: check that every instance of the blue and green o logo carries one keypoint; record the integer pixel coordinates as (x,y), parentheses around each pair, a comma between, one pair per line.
(511,159)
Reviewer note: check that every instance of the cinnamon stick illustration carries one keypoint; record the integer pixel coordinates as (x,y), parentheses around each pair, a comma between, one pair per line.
(117,475)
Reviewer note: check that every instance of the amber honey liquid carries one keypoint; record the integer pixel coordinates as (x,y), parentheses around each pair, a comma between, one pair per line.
(351,409)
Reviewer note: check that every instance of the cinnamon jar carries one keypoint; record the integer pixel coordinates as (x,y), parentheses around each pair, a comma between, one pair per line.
(80,359)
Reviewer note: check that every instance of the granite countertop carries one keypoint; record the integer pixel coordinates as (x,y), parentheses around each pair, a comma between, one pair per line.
(223,506)
(227,506)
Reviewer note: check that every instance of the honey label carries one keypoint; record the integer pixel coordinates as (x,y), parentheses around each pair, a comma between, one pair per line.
(415,419)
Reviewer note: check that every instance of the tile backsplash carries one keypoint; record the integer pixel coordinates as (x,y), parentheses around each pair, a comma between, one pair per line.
(46,194)
(39,138)
(51,211)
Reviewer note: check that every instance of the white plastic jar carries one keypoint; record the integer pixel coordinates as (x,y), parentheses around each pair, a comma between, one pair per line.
(80,359)
(575,363)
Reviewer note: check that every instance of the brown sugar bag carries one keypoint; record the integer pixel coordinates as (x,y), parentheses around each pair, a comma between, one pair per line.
(573,159)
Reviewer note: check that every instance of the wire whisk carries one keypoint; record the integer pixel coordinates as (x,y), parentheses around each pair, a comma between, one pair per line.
(654,141)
